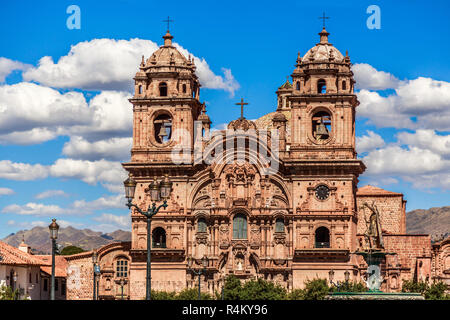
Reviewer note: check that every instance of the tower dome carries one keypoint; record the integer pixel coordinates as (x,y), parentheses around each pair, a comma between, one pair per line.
(323,51)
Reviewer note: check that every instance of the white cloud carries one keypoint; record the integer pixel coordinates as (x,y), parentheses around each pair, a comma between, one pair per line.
(35,209)
(114,222)
(369,142)
(6,191)
(367,77)
(110,149)
(33,136)
(51,193)
(426,139)
(91,172)
(8,65)
(108,64)
(22,171)
(78,207)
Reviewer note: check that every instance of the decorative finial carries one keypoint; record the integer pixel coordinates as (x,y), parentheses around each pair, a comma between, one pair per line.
(242,104)
(323,19)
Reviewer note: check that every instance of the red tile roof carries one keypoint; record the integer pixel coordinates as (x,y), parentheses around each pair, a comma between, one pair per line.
(375,191)
(13,256)
(60,265)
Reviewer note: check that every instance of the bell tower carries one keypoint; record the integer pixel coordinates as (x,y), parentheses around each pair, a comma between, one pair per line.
(166,104)
(323,104)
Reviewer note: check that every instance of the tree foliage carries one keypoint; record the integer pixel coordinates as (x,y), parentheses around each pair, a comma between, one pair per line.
(259,289)
(316,289)
(186,294)
(69,250)
(7,293)
(434,291)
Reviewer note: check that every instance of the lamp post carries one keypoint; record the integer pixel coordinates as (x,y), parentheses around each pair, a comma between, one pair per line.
(338,284)
(199,272)
(157,191)
(53,227)
(122,283)
(15,285)
(94,264)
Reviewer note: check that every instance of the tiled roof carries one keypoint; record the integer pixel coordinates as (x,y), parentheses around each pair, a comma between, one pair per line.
(13,256)
(60,265)
(375,191)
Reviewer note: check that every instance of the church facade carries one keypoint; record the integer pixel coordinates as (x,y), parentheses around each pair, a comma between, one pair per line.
(276,198)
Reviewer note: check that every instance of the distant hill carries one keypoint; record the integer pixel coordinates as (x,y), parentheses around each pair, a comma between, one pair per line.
(434,221)
(38,238)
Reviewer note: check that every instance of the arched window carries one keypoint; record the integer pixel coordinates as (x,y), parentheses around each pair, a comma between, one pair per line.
(184,88)
(140,89)
(163,89)
(279,225)
(297,85)
(344,85)
(122,267)
(201,225)
(321,125)
(321,86)
(163,128)
(159,238)
(322,237)
(240,226)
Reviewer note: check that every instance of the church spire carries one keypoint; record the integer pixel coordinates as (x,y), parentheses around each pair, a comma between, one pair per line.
(323,36)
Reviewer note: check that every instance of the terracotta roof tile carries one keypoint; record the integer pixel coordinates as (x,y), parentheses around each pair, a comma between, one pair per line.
(13,256)
(60,265)
(374,191)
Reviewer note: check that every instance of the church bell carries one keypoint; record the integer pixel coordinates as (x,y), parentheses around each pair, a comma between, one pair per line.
(321,129)
(162,132)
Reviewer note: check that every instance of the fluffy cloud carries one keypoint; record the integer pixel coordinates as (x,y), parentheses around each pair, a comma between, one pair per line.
(22,171)
(79,207)
(34,209)
(6,191)
(427,139)
(367,77)
(369,142)
(108,64)
(25,106)
(110,149)
(30,113)
(421,103)
(91,172)
(8,65)
(111,222)
(51,193)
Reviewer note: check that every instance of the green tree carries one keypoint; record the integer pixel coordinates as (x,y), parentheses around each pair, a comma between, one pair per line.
(350,286)
(7,293)
(296,294)
(69,250)
(316,289)
(262,290)
(435,291)
(163,295)
(192,294)
(232,288)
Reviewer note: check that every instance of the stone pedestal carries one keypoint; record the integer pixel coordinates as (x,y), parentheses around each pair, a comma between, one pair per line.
(374,296)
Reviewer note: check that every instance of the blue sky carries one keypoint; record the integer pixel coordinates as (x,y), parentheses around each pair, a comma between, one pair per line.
(402,71)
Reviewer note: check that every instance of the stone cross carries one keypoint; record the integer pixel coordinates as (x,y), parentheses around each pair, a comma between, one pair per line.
(242,104)
(323,18)
(168,22)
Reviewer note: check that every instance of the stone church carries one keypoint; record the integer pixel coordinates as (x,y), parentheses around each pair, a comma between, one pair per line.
(276,198)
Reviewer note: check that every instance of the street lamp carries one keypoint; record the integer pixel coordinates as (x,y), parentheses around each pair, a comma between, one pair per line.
(347,275)
(15,285)
(122,283)
(94,265)
(157,192)
(338,284)
(53,227)
(198,273)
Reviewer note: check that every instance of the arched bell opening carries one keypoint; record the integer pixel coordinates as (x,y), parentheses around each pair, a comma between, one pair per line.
(321,125)
(163,128)
(322,237)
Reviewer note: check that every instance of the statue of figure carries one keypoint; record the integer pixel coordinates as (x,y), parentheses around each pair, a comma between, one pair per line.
(373,234)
